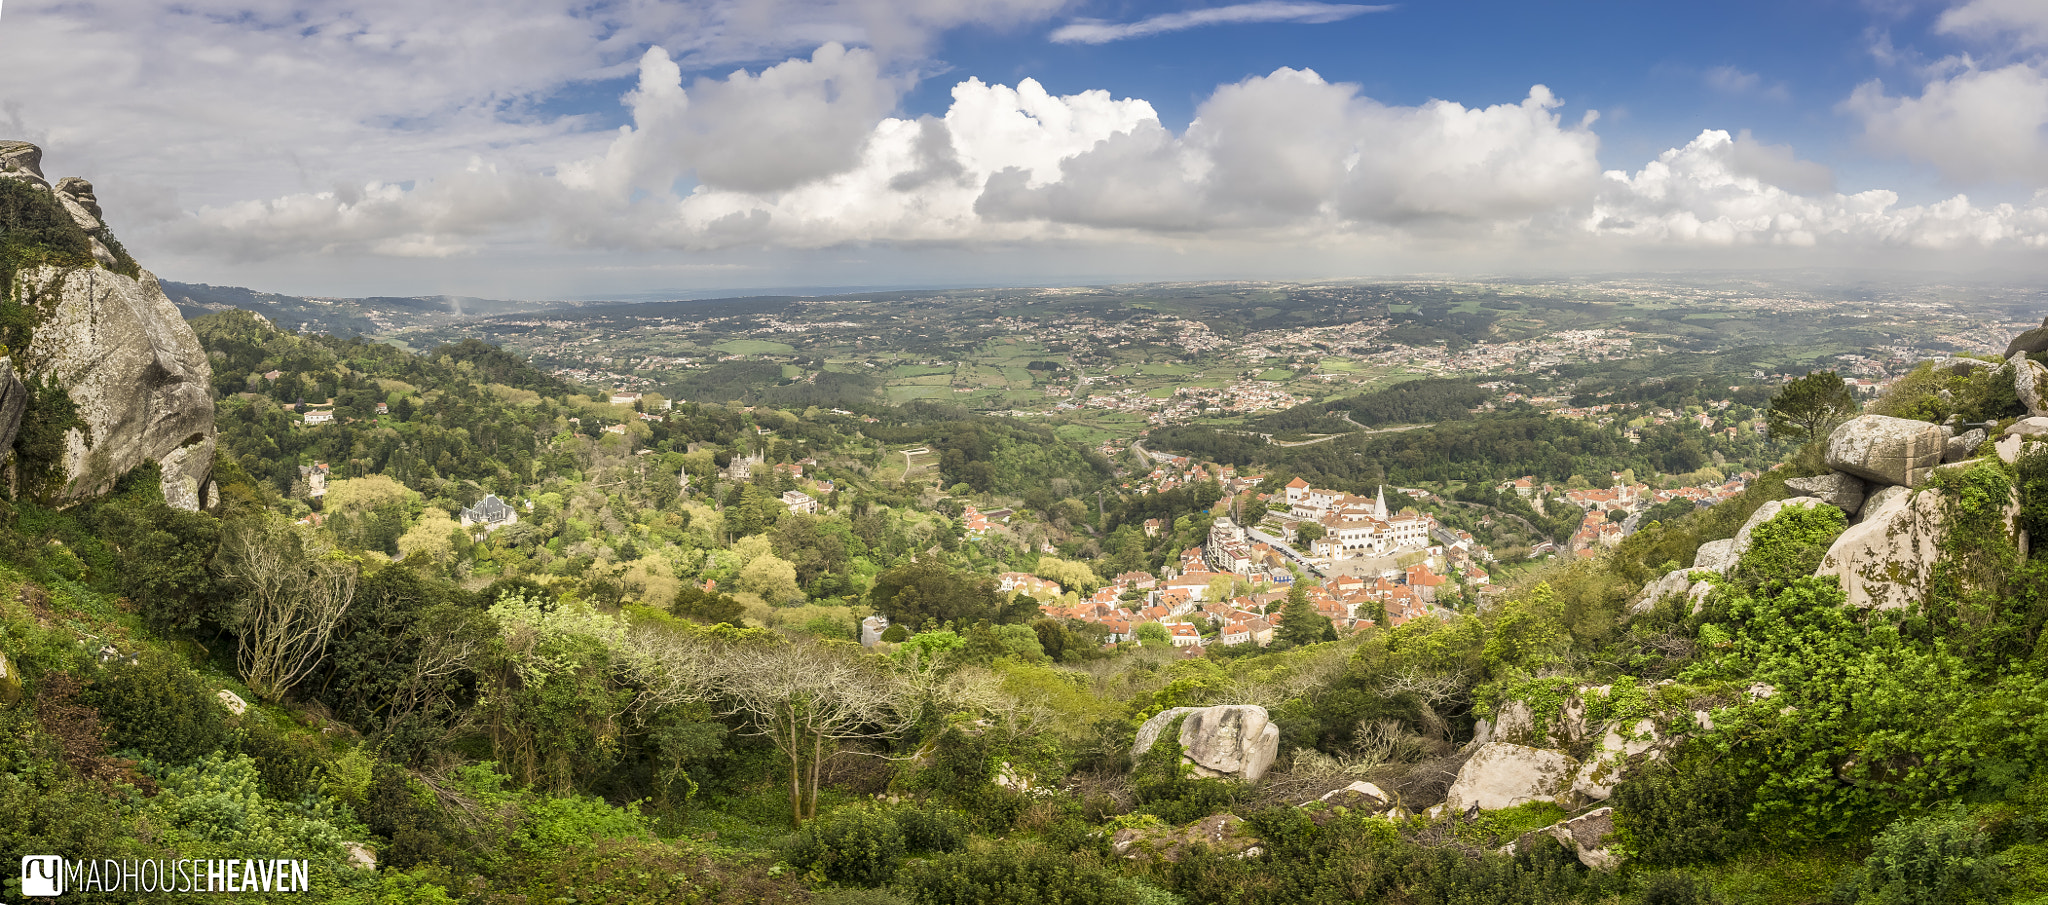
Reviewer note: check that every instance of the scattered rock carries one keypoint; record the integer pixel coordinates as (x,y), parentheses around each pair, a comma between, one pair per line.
(1886,561)
(233,702)
(1221,833)
(1842,491)
(1962,446)
(1959,367)
(2030,382)
(1604,768)
(359,855)
(1716,556)
(2036,426)
(2008,448)
(1886,450)
(1675,582)
(1502,775)
(1359,796)
(1586,835)
(1237,740)
(1008,777)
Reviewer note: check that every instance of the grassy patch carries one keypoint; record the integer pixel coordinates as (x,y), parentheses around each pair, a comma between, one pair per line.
(753,347)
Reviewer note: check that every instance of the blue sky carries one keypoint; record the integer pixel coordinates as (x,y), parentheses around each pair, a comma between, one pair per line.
(569,148)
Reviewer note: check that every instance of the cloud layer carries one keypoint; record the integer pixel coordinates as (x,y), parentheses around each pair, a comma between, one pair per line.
(1098,31)
(264,131)
(799,155)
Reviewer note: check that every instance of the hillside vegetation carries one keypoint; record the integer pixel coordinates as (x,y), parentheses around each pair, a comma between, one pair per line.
(648,690)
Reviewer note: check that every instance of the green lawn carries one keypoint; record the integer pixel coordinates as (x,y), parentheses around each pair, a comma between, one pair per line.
(902,394)
(753,347)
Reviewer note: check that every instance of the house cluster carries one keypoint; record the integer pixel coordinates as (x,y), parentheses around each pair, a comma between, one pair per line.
(977,523)
(1231,550)
(1029,585)
(1354,526)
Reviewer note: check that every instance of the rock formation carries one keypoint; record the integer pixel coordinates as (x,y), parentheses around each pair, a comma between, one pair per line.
(1586,836)
(2035,340)
(134,370)
(1503,774)
(1842,491)
(1886,561)
(1611,760)
(1237,741)
(2030,383)
(1886,450)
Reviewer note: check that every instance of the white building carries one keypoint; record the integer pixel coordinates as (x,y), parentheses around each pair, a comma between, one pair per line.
(800,502)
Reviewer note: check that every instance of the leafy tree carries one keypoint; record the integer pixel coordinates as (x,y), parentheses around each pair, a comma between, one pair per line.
(709,607)
(1299,622)
(929,592)
(1309,532)
(1152,633)
(1810,406)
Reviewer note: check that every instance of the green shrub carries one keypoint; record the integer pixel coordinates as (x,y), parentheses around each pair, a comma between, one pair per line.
(1938,859)
(862,846)
(1682,812)
(932,829)
(1675,888)
(1021,875)
(1790,545)
(158,708)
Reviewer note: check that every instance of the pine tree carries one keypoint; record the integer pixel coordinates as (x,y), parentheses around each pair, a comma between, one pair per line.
(1299,622)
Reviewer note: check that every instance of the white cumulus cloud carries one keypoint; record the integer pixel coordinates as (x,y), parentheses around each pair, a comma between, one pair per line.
(1977,125)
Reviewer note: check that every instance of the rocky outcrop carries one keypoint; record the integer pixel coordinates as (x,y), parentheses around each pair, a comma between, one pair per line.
(1223,834)
(233,702)
(1879,497)
(137,375)
(1715,556)
(1886,561)
(13,404)
(1611,760)
(2035,426)
(2030,383)
(1964,445)
(23,161)
(1842,491)
(1238,741)
(2035,340)
(133,369)
(1958,367)
(1359,796)
(1503,774)
(1886,450)
(1587,836)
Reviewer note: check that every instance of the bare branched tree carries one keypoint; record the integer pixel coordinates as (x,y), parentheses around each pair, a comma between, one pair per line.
(294,592)
(807,697)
